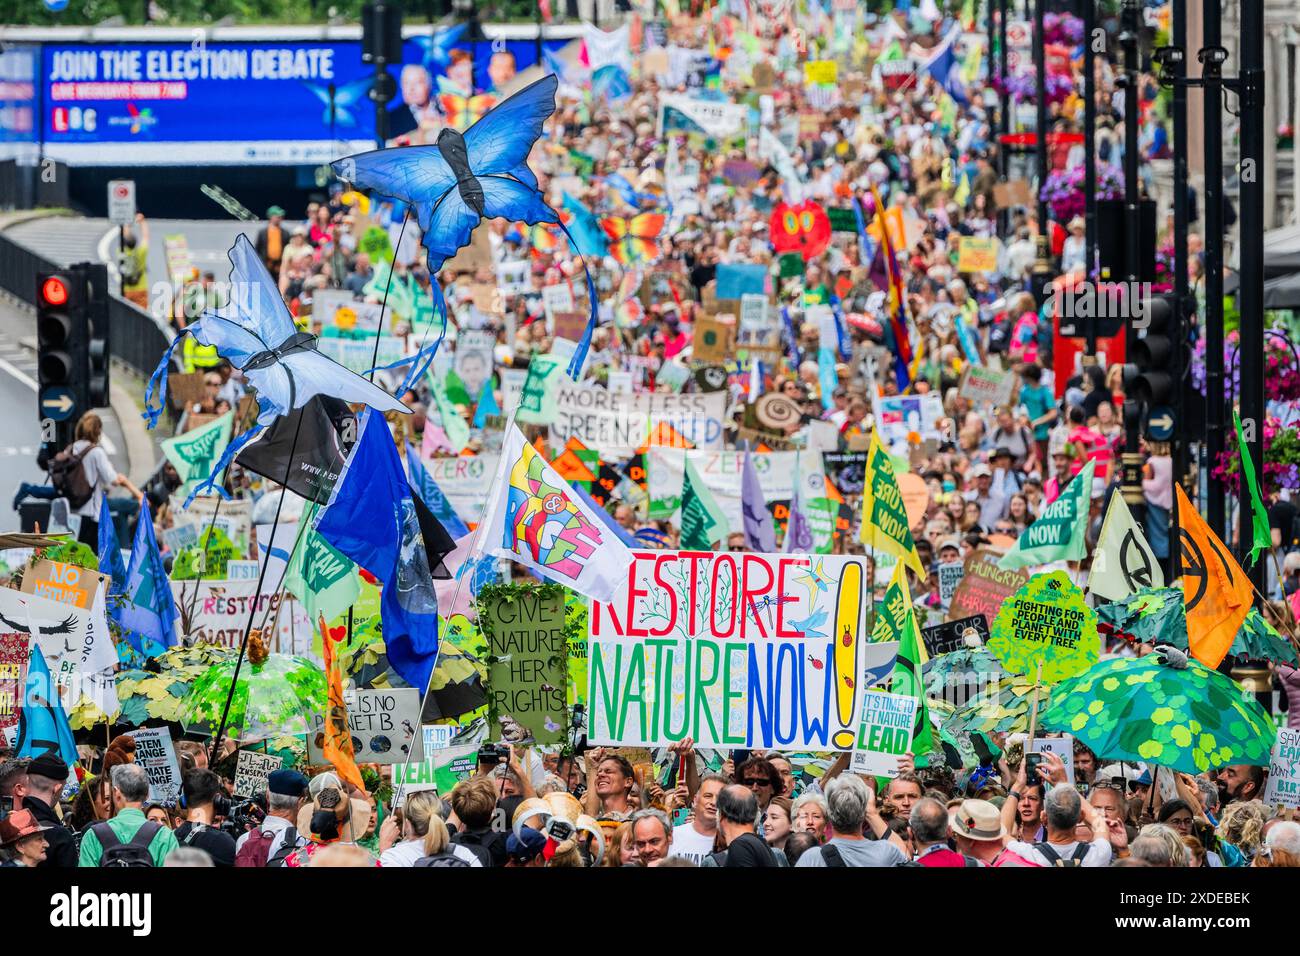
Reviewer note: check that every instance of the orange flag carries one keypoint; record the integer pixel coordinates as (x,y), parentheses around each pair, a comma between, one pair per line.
(338,738)
(1216,592)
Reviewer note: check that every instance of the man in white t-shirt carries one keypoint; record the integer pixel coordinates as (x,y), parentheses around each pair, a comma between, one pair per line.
(694,841)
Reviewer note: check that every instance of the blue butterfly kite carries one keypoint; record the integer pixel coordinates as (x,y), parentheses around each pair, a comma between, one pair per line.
(346,98)
(437,46)
(255,332)
(479,174)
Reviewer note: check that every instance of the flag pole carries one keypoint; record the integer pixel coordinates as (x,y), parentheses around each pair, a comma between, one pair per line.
(460,583)
(374,358)
(1033,708)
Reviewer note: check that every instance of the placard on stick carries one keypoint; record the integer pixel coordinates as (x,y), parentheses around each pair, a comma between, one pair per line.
(527,651)
(156,754)
(1283,787)
(1048,622)
(884,733)
(252,769)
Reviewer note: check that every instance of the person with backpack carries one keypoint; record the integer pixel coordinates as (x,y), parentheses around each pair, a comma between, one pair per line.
(83,474)
(929,823)
(1063,809)
(201,792)
(128,839)
(851,805)
(417,823)
(278,836)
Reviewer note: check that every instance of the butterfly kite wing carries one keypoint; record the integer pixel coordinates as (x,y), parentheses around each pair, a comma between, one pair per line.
(255,300)
(510,199)
(501,141)
(231,340)
(648,225)
(414,174)
(314,374)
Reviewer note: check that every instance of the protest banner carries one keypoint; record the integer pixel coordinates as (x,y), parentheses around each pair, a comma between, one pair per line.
(1283,788)
(904,420)
(247,570)
(439,771)
(62,583)
(987,385)
(221,613)
(1046,622)
(984,586)
(718,119)
(721,472)
(76,643)
(340,309)
(744,650)
(884,733)
(251,771)
(524,627)
(356,354)
(714,340)
(555,299)
(464,482)
(474,358)
(156,754)
(1062,746)
(977,254)
(570,325)
(820,72)
(952,635)
(617,424)
(385,726)
(950,575)
(14,654)
(847,471)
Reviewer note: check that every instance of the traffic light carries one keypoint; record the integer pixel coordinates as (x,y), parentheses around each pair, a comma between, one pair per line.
(63,359)
(97,334)
(381,33)
(1149,378)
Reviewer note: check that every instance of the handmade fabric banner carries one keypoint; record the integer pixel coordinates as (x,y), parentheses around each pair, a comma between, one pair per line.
(193,452)
(76,644)
(1217,595)
(732,650)
(534,518)
(885,526)
(1060,533)
(1123,561)
(221,608)
(524,628)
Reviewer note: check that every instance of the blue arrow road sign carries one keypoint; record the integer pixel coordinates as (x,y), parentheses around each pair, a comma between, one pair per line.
(57,403)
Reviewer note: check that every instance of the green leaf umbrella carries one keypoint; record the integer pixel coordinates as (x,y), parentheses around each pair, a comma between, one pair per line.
(1007,713)
(278,696)
(1259,640)
(1189,718)
(960,666)
(145,695)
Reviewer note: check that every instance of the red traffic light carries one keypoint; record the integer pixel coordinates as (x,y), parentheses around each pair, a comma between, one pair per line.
(54,291)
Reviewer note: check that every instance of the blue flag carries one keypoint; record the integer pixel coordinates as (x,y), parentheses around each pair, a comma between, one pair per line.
(148,618)
(42,724)
(372,519)
(432,495)
(760,530)
(487,405)
(110,552)
(942,66)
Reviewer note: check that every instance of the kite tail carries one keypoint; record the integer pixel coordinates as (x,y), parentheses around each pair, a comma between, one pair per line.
(424,358)
(159,376)
(210,483)
(580,354)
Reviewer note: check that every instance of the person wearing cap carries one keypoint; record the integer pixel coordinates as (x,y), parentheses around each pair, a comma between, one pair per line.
(22,840)
(270,241)
(526,848)
(130,791)
(40,792)
(992,500)
(285,790)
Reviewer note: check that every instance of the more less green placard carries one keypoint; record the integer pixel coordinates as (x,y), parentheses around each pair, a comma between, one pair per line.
(1047,620)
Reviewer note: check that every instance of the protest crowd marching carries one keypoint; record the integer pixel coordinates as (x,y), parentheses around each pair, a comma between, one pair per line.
(800,544)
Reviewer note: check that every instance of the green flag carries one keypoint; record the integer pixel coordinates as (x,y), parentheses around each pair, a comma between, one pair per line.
(896,621)
(1261,536)
(537,399)
(400,300)
(453,422)
(1060,534)
(703,522)
(322,578)
(193,453)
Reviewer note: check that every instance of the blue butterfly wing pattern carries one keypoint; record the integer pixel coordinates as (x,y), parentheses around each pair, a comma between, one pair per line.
(437,46)
(415,174)
(345,97)
(510,199)
(447,227)
(230,339)
(501,141)
(255,301)
(314,374)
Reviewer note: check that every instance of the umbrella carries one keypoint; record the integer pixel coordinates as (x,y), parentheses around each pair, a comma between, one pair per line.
(1007,713)
(145,695)
(1178,714)
(276,694)
(1156,616)
(960,667)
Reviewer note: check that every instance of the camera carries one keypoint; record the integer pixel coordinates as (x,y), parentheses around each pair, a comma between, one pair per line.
(494,753)
(240,817)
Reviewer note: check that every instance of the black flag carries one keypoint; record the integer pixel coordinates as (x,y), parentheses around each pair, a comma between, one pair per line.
(328,432)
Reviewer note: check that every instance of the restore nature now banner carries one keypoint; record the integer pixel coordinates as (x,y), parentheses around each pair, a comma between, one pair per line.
(733,650)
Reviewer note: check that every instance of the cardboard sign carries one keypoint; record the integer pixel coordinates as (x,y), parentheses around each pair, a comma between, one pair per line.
(185,389)
(340,309)
(569,325)
(464,481)
(713,340)
(1048,621)
(1283,788)
(61,582)
(252,769)
(847,471)
(884,733)
(557,298)
(385,726)
(15,652)
(977,254)
(1062,746)
(526,679)
(472,257)
(987,385)
(156,754)
(984,586)
(1013,193)
(951,635)
(950,575)
(732,650)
